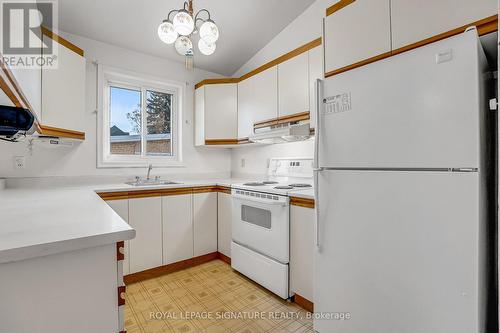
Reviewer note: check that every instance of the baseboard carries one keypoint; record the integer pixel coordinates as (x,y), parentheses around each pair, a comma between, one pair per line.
(174,267)
(224,258)
(303,303)
(170,268)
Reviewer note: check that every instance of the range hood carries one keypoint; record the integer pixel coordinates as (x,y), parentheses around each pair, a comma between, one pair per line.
(14,120)
(281,133)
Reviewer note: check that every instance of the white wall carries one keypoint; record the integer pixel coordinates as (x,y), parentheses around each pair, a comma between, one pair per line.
(81,160)
(305,28)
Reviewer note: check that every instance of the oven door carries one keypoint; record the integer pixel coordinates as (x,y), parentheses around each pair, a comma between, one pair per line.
(261,223)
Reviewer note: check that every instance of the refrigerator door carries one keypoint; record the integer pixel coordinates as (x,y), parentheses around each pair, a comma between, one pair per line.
(419,109)
(398,252)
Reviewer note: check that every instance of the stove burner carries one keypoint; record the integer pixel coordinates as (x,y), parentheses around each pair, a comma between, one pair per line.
(300,185)
(284,187)
(254,184)
(269,182)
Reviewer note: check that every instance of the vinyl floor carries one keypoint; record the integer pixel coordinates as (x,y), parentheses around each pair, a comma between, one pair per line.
(209,298)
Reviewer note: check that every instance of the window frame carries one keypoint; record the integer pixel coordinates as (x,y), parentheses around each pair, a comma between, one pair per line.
(111,77)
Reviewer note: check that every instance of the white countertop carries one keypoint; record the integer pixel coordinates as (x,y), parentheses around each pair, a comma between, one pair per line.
(306,194)
(44,221)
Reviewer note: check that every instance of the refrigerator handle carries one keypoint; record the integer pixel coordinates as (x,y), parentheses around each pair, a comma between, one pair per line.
(316,167)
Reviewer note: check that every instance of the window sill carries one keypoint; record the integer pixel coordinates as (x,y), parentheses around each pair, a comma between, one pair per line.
(141,164)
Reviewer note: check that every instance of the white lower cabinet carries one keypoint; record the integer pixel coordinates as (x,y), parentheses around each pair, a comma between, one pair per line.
(146,248)
(177,228)
(205,223)
(224,216)
(301,251)
(121,208)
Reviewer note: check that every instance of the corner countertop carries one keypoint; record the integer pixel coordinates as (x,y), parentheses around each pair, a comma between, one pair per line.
(304,194)
(44,221)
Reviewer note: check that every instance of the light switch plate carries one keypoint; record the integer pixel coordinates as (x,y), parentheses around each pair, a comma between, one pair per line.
(19,162)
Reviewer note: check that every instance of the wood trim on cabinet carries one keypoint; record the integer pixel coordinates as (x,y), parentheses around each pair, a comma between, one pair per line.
(6,89)
(205,189)
(301,49)
(176,191)
(302,202)
(120,251)
(121,295)
(303,302)
(64,42)
(224,258)
(224,189)
(61,132)
(108,196)
(219,142)
(338,6)
(216,81)
(301,116)
(359,64)
(170,268)
(484,26)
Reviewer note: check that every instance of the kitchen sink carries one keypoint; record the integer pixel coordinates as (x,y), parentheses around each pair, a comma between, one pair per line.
(151,182)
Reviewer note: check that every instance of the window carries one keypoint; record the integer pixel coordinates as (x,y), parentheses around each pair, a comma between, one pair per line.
(140,121)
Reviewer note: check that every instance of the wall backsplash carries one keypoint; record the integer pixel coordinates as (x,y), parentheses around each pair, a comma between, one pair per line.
(256,158)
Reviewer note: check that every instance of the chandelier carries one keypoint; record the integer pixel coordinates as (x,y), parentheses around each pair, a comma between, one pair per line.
(180,31)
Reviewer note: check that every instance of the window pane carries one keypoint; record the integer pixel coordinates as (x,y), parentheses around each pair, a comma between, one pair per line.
(125,121)
(159,123)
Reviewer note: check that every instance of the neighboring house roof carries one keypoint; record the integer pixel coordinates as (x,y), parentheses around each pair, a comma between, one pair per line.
(137,138)
(115,130)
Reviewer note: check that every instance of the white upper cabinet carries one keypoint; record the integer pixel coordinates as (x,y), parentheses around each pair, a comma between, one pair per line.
(177,228)
(30,82)
(293,85)
(359,31)
(205,223)
(221,111)
(63,91)
(413,21)
(146,248)
(315,73)
(257,100)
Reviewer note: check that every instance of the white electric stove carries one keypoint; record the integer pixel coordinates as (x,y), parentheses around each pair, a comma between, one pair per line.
(261,224)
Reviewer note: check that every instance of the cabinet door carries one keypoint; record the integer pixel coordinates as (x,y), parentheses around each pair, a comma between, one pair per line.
(315,72)
(359,31)
(293,85)
(199,116)
(146,248)
(413,21)
(121,208)
(301,251)
(205,223)
(221,111)
(63,91)
(224,206)
(30,82)
(177,228)
(257,100)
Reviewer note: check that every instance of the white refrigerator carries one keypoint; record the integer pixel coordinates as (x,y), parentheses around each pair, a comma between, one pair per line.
(402,191)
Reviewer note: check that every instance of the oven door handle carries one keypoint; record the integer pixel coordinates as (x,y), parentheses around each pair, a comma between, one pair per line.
(262,201)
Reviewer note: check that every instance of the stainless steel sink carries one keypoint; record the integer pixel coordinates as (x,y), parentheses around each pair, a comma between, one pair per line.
(151,182)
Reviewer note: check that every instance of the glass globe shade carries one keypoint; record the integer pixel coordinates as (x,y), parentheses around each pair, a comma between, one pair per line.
(167,33)
(183,45)
(183,23)
(209,32)
(206,48)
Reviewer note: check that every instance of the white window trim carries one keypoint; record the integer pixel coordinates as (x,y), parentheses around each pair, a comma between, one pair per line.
(117,77)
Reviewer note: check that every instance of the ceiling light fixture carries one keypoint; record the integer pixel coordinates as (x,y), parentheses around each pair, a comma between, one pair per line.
(181,29)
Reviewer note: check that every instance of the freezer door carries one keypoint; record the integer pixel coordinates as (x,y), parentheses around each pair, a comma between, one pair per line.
(398,252)
(419,109)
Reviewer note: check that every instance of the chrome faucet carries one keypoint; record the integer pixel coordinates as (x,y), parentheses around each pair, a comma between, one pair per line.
(150,167)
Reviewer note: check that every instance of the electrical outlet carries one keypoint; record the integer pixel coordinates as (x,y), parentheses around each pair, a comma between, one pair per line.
(243,162)
(19,162)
